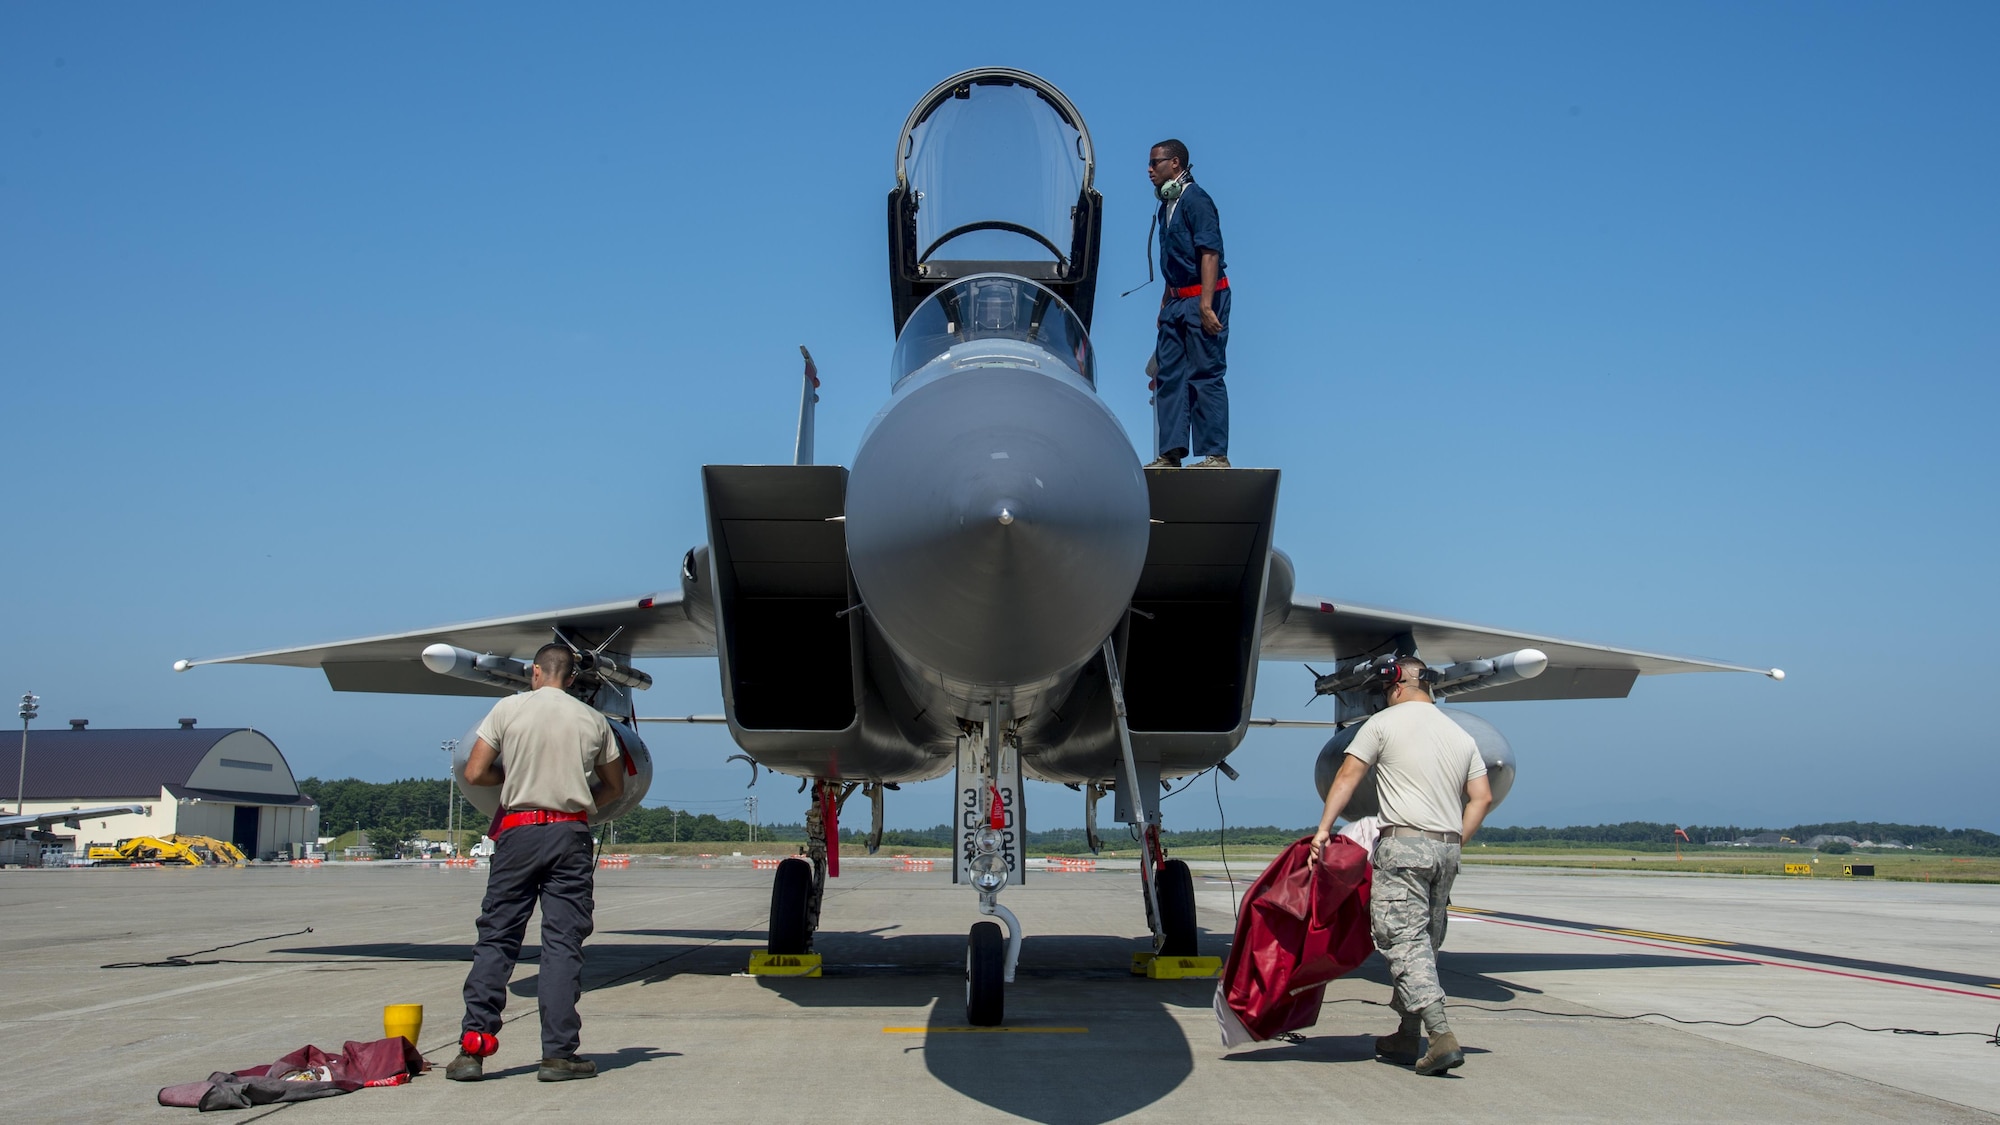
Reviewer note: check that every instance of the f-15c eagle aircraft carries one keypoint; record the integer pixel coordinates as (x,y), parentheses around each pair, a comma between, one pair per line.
(27,824)
(996,587)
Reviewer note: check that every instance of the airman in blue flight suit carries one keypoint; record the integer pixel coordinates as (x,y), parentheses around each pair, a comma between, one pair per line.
(1189,394)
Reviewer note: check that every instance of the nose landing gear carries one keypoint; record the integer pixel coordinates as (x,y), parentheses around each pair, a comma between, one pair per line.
(988,856)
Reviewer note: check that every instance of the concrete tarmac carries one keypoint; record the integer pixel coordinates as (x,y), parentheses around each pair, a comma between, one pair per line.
(104,999)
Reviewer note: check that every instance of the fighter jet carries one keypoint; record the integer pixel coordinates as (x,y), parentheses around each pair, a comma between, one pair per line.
(39,828)
(995,588)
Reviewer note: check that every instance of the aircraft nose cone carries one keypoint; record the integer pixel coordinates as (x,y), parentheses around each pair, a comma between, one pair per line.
(996,525)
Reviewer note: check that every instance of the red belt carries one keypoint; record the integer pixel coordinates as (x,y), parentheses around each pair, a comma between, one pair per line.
(1221,283)
(521,818)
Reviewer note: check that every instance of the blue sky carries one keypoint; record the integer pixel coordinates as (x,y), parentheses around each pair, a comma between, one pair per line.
(1682,322)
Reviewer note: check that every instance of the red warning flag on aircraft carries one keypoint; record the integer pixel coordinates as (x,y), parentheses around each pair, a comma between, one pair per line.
(1302,926)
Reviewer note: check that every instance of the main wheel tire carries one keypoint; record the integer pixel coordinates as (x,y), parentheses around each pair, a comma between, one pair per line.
(790,932)
(985,975)
(1174,884)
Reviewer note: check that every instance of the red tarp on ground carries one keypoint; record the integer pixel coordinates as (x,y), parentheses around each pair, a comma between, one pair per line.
(304,1074)
(1301,927)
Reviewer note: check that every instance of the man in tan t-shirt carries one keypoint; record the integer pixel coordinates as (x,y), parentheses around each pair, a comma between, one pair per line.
(555,759)
(1434,794)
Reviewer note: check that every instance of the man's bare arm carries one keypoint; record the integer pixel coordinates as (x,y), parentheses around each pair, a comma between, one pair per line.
(482,766)
(610,782)
(1337,796)
(1478,802)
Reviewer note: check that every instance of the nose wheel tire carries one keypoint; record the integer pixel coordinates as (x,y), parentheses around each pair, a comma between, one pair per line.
(790,932)
(1175,887)
(985,968)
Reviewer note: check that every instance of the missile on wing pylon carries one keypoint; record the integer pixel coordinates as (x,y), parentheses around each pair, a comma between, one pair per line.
(464,664)
(1478,675)
(1452,679)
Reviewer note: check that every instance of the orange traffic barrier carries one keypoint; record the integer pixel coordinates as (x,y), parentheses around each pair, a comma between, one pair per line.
(1070,863)
(614,861)
(307,862)
(766,863)
(909,864)
(462,861)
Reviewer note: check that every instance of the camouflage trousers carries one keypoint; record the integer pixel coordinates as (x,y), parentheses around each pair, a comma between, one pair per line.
(1406,908)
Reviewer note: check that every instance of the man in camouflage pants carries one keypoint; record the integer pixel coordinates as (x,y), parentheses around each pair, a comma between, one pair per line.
(1432,783)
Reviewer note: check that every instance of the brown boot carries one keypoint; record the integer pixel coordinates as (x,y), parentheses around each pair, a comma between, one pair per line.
(1164,462)
(1443,1055)
(464,1068)
(1401,1048)
(564,1070)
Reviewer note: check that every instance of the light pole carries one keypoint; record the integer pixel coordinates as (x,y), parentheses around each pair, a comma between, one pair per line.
(30,702)
(750,806)
(677,824)
(450,748)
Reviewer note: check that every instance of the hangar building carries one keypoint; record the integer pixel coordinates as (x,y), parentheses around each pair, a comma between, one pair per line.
(229,783)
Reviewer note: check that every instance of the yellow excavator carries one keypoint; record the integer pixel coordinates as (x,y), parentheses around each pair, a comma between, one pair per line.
(193,851)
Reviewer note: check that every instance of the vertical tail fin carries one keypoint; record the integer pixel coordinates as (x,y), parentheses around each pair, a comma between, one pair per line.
(803,453)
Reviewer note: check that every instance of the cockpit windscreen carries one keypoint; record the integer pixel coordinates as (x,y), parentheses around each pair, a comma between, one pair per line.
(1025,324)
(1001,159)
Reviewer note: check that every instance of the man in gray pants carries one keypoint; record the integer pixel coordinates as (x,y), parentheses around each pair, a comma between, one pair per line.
(1434,794)
(554,747)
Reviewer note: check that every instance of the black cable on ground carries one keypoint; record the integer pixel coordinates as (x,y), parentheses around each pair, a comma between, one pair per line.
(180,960)
(1992,1038)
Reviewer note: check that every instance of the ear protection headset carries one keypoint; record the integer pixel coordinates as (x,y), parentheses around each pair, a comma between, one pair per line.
(1172,189)
(1389,675)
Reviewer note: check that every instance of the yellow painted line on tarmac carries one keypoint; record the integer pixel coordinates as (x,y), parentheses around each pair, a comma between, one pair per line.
(1468,910)
(1682,938)
(985,1030)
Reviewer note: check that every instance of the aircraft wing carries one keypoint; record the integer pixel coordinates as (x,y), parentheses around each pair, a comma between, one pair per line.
(42,822)
(654,625)
(1317,629)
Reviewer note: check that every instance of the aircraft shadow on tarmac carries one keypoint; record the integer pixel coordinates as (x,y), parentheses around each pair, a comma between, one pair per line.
(1134,1053)
(1471,976)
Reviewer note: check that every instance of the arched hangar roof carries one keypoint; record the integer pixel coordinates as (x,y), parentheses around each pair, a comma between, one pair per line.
(112,764)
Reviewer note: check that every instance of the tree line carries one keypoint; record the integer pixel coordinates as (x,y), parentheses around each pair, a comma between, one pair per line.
(399,810)
(1641,834)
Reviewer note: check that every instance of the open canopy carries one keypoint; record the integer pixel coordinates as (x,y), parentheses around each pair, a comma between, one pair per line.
(994,172)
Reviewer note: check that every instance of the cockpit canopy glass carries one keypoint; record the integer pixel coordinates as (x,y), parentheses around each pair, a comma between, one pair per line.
(1000,171)
(1014,321)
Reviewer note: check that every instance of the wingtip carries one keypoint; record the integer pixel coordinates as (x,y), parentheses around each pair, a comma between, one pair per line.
(1776,673)
(183,665)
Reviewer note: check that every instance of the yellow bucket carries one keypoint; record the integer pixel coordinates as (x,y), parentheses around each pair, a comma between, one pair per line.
(406,1020)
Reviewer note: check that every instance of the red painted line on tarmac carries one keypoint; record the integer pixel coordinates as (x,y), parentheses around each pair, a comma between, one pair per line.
(1744,960)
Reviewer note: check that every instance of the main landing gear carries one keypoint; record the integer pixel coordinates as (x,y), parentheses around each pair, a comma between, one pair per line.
(800,884)
(1167,884)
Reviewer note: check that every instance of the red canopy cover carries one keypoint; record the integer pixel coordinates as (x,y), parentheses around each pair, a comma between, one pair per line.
(1301,926)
